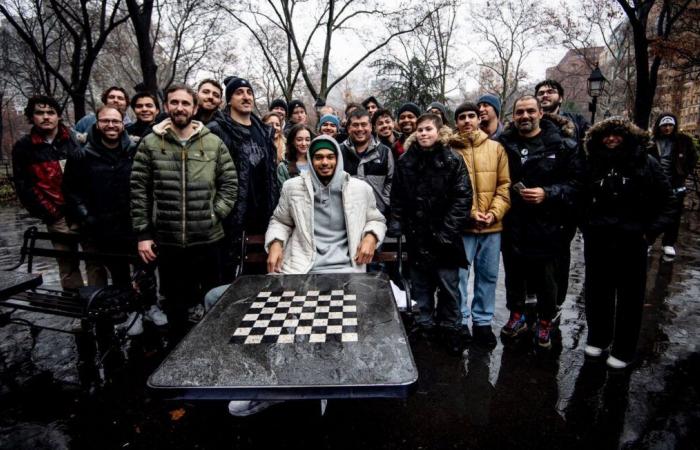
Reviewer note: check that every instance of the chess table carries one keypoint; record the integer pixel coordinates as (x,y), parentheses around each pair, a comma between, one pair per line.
(283,337)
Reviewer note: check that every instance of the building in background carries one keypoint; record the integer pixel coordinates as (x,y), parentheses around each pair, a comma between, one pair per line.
(572,72)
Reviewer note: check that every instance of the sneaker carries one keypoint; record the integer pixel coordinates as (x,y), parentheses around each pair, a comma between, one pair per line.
(515,326)
(593,352)
(484,337)
(615,363)
(196,313)
(156,315)
(544,331)
(242,408)
(133,324)
(669,250)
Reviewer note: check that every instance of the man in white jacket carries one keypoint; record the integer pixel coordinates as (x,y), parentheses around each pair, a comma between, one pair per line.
(326,221)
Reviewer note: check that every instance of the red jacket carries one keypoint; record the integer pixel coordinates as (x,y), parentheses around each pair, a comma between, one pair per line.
(38,172)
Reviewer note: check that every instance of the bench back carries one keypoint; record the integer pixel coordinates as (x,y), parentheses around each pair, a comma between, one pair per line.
(30,249)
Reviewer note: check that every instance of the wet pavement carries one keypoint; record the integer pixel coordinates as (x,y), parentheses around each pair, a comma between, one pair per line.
(511,397)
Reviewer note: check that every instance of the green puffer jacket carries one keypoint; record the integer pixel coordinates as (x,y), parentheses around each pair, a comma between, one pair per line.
(191,187)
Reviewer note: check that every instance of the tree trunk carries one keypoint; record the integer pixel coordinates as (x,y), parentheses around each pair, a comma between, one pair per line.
(141,21)
(643,93)
(78,99)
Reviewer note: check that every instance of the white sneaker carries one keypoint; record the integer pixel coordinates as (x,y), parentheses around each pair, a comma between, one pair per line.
(615,363)
(669,250)
(156,315)
(133,324)
(592,351)
(242,408)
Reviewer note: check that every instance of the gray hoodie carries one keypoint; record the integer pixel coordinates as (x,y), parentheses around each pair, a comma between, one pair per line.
(330,231)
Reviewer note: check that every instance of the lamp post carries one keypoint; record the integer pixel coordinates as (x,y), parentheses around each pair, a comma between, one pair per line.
(596,85)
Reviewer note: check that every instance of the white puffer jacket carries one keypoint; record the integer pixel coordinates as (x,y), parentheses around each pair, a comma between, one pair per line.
(292,222)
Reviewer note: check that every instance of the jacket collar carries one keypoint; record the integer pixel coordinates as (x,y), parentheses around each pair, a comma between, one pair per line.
(62,135)
(164,130)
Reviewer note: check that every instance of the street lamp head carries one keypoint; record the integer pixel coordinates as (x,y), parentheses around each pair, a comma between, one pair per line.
(596,82)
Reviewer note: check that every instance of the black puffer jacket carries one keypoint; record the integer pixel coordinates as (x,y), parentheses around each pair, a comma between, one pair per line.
(96,187)
(544,229)
(248,211)
(683,159)
(431,200)
(626,188)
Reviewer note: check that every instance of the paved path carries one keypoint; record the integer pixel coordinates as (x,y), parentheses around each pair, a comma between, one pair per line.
(506,398)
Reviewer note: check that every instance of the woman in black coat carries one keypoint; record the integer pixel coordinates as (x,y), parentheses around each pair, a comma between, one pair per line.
(628,201)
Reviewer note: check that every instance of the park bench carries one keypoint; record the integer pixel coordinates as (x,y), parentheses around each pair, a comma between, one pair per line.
(97,309)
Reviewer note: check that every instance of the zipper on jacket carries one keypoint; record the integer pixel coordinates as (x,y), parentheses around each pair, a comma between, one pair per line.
(183,157)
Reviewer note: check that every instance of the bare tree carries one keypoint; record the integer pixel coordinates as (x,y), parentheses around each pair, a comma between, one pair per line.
(511,32)
(407,74)
(321,22)
(85,26)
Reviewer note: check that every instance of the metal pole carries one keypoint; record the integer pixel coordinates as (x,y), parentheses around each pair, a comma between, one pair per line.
(594,104)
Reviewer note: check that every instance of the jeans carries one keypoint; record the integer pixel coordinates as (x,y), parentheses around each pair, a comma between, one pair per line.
(424,282)
(213,296)
(483,252)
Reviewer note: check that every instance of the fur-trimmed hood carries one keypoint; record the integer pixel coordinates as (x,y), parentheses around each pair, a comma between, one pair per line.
(444,136)
(635,140)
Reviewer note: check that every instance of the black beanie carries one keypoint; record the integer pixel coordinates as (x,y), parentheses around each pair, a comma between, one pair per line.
(294,104)
(278,103)
(233,83)
(410,107)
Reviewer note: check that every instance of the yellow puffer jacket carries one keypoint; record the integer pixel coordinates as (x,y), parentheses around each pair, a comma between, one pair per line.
(487,163)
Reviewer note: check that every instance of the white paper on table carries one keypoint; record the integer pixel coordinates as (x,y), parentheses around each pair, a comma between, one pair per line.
(399,295)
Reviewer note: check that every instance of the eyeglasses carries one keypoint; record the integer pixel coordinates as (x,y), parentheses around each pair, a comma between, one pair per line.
(109,122)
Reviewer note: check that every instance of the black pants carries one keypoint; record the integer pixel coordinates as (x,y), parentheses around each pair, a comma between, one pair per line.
(186,274)
(424,282)
(616,266)
(671,231)
(535,275)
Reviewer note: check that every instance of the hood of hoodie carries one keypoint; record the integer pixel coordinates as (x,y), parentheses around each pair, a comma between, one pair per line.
(336,182)
(161,129)
(444,136)
(634,140)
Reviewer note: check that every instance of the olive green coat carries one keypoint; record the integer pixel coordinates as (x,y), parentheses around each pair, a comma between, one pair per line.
(180,193)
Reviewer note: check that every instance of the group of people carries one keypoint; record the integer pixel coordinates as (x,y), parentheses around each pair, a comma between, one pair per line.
(181,184)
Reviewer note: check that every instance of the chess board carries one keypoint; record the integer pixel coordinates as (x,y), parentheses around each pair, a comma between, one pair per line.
(286,317)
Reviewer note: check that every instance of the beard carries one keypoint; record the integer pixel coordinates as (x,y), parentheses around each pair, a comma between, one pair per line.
(180,120)
(552,108)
